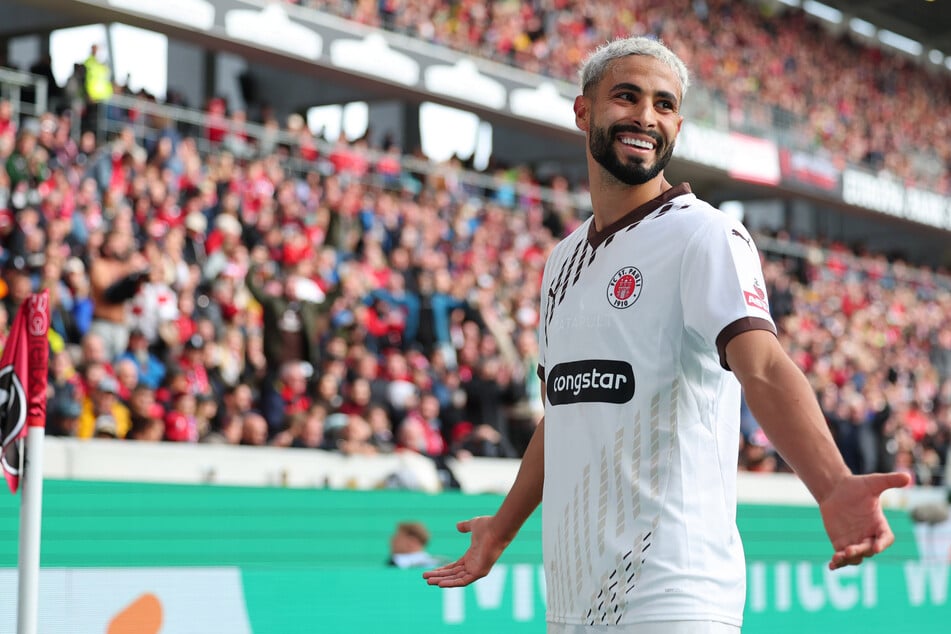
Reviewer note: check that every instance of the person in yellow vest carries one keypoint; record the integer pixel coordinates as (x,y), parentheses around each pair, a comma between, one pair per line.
(98,77)
(97,87)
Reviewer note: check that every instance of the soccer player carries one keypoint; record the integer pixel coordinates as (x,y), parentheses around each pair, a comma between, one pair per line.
(653,315)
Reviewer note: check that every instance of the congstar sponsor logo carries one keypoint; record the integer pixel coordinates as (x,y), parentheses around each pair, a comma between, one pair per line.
(590,381)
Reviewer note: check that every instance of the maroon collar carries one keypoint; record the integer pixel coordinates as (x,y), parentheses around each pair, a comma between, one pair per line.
(595,237)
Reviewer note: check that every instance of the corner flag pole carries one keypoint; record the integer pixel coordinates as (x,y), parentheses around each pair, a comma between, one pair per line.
(31,512)
(31,504)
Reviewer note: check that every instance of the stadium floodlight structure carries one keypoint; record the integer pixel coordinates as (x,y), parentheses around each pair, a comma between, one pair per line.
(900,42)
(860,26)
(822,11)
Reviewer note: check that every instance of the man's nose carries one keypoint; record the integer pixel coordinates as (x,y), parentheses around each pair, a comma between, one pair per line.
(644,114)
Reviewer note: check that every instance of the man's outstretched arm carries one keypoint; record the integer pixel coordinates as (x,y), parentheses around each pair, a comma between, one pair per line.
(490,535)
(783,402)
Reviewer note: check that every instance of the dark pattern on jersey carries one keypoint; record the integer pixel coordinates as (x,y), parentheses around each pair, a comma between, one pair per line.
(549,311)
(594,251)
(577,573)
(576,258)
(609,598)
(577,264)
(609,604)
(572,269)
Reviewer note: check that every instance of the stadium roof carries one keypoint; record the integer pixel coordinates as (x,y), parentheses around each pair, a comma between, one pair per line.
(927,21)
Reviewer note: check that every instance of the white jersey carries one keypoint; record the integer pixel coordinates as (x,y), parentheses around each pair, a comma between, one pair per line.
(642,418)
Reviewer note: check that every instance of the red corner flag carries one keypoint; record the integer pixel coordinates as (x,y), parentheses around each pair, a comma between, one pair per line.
(23,377)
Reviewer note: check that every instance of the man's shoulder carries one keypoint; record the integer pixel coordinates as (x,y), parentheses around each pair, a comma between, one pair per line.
(696,214)
(691,203)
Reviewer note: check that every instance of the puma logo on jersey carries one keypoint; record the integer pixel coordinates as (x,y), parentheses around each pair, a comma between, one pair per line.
(590,381)
(748,241)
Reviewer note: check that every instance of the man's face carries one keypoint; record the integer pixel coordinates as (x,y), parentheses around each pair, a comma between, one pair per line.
(633,118)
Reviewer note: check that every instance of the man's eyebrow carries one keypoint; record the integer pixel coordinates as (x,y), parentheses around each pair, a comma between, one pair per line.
(663,94)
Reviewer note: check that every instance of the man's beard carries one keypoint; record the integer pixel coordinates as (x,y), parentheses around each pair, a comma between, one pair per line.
(632,171)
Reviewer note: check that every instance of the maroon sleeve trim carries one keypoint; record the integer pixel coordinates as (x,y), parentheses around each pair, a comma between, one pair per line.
(741,325)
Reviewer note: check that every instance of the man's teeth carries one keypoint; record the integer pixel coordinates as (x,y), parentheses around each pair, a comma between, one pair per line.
(645,145)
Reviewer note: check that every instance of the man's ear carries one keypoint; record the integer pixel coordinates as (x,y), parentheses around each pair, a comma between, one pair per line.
(581,113)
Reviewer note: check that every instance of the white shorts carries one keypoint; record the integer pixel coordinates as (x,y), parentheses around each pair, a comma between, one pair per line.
(661,627)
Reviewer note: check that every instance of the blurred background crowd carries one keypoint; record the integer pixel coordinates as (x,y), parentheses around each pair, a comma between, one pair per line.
(831,96)
(243,284)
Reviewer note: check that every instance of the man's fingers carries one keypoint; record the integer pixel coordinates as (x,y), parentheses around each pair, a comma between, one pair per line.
(881,482)
(444,572)
(450,576)
(884,540)
(854,554)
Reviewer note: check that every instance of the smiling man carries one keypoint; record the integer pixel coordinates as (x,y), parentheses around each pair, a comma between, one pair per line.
(663,295)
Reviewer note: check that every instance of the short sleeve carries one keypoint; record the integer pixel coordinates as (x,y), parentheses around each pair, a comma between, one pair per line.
(722,288)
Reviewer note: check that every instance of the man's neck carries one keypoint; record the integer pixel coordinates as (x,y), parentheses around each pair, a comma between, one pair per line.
(612,200)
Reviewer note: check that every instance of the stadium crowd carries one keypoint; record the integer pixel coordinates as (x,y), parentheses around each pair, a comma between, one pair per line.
(362,308)
(771,70)
(212,285)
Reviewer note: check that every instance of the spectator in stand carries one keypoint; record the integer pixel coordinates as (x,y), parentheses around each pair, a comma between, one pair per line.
(150,369)
(192,365)
(80,303)
(355,437)
(229,430)
(422,430)
(115,275)
(237,400)
(19,283)
(216,121)
(358,397)
(399,308)
(293,325)
(7,125)
(438,299)
(309,434)
(489,391)
(127,376)
(181,423)
(66,395)
(103,400)
(150,429)
(381,429)
(287,396)
(226,254)
(154,309)
(142,404)
(254,429)
(194,252)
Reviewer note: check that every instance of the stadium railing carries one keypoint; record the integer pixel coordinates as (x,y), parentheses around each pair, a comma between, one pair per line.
(27,93)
